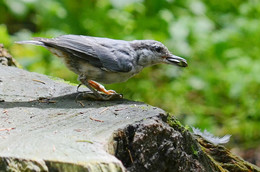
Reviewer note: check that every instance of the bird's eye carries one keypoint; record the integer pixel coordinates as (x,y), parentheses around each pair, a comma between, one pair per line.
(158,49)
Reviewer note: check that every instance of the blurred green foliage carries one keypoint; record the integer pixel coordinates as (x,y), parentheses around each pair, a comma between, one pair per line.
(219,91)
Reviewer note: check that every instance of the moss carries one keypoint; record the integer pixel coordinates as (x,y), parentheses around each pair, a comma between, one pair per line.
(194,151)
(224,159)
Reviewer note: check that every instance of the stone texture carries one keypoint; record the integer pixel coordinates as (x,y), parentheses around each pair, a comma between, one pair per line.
(42,127)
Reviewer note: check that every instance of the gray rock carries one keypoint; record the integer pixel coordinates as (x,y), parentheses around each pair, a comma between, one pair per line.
(42,127)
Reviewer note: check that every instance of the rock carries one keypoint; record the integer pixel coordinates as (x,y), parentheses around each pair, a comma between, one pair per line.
(44,128)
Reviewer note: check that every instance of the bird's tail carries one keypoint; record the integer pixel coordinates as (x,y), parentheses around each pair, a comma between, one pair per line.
(30,42)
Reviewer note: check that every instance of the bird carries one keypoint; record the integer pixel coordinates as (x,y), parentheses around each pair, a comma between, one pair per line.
(104,60)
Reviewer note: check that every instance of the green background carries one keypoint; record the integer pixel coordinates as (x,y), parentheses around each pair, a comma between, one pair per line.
(219,91)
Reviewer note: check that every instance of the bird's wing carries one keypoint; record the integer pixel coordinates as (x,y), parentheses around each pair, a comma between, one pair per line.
(97,53)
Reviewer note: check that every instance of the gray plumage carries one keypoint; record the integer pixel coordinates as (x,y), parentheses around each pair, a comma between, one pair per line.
(107,60)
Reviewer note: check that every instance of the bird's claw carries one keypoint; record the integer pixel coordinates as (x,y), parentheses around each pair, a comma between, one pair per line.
(78,87)
(98,91)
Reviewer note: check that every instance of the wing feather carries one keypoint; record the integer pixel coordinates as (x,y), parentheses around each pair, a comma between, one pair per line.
(99,52)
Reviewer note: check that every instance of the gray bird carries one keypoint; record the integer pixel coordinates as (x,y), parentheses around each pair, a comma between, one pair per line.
(106,60)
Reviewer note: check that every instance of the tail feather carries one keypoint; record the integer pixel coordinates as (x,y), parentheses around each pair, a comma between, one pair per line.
(30,42)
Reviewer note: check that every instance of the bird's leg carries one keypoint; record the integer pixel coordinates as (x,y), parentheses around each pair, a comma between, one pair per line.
(78,87)
(95,92)
(95,87)
(101,88)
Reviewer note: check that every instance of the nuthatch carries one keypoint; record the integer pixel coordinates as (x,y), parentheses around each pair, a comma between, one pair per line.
(106,60)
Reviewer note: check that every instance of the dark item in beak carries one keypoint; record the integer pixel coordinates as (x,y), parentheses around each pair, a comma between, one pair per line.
(177,61)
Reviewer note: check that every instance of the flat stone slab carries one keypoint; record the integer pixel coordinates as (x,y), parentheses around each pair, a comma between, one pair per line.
(43,128)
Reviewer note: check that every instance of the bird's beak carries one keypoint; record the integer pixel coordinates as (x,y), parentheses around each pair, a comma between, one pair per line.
(172,59)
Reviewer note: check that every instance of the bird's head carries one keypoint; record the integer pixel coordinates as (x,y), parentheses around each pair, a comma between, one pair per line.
(152,52)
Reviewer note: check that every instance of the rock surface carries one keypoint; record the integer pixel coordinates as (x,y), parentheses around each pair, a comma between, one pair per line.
(44,128)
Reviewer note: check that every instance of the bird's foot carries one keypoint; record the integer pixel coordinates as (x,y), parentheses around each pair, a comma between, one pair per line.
(105,94)
(100,88)
(98,91)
